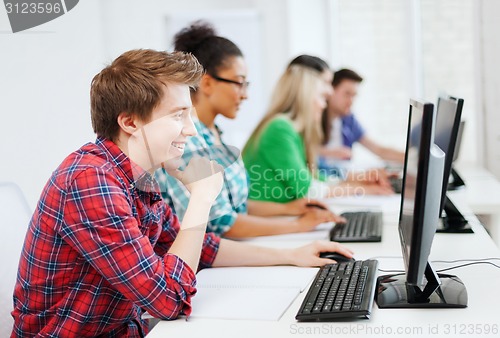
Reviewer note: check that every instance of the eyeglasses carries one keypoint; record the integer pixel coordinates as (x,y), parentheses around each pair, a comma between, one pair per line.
(243,86)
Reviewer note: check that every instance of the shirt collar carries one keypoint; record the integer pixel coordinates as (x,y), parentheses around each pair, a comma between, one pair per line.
(207,133)
(137,177)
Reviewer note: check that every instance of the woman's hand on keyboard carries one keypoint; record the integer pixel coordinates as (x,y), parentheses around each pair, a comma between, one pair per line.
(302,205)
(315,216)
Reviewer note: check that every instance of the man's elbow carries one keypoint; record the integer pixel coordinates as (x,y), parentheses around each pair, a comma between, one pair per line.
(172,310)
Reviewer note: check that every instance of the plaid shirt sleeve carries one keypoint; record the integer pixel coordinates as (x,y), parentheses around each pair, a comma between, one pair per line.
(171,227)
(100,226)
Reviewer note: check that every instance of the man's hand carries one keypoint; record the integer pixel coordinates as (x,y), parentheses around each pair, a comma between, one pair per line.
(378,176)
(375,189)
(308,255)
(202,177)
(374,181)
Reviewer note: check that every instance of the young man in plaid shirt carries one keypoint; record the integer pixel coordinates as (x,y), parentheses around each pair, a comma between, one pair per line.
(102,247)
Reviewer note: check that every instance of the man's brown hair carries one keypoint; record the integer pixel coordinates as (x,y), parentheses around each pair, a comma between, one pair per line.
(345,74)
(133,84)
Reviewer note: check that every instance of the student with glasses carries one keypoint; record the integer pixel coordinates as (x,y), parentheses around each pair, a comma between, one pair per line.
(222,89)
(241,85)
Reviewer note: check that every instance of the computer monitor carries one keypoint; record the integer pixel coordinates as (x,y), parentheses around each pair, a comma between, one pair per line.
(447,131)
(455,180)
(420,285)
(448,123)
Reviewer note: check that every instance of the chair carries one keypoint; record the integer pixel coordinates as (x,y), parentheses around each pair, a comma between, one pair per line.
(14,218)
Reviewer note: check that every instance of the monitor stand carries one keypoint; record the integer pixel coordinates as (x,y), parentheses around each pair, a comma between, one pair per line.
(456,181)
(440,291)
(452,220)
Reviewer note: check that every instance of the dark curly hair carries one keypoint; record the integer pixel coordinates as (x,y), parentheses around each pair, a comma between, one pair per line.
(211,50)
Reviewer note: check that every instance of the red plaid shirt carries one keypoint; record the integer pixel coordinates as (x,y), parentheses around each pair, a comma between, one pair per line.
(95,255)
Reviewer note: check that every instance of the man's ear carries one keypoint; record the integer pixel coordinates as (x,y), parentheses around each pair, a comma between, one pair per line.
(127,122)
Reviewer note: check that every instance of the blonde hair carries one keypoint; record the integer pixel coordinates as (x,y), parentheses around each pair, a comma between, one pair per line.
(294,97)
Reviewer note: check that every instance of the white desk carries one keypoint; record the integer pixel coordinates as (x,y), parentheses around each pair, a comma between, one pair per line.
(481,282)
(482,196)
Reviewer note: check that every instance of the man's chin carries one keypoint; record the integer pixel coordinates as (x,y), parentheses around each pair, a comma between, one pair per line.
(172,164)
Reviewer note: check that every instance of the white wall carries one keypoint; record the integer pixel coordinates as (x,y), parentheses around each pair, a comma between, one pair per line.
(308,28)
(450,62)
(374,39)
(489,84)
(45,74)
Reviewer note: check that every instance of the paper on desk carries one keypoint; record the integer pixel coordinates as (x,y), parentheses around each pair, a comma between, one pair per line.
(255,277)
(253,293)
(242,303)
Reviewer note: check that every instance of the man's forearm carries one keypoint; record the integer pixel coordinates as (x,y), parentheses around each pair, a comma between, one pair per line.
(263,208)
(233,253)
(390,154)
(251,226)
(187,245)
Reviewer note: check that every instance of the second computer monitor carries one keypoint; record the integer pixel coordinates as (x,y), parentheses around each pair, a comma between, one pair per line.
(448,130)
(448,116)
(420,285)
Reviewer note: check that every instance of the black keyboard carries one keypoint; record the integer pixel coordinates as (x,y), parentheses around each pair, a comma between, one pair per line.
(340,291)
(361,226)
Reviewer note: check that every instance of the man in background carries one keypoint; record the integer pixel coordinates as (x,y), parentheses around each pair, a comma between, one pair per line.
(341,128)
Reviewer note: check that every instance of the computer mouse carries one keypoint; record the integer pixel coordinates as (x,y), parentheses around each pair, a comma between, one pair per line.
(339,258)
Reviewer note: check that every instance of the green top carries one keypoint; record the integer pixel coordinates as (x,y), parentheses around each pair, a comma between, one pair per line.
(276,163)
